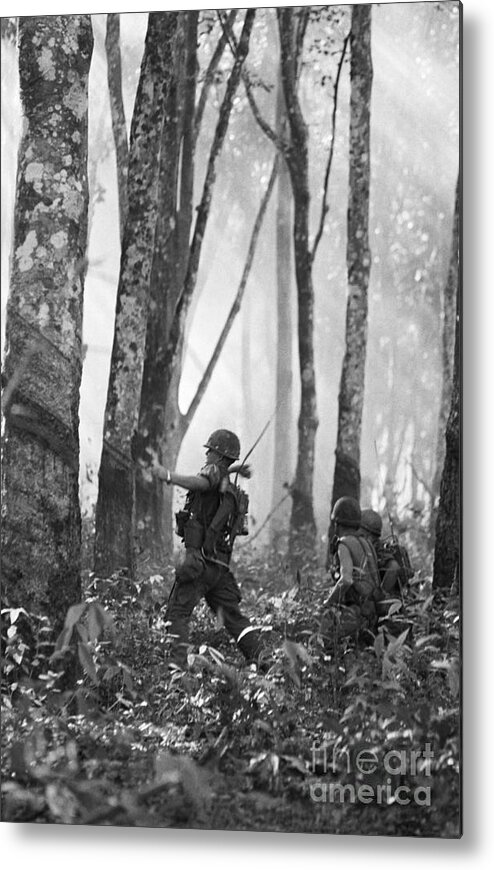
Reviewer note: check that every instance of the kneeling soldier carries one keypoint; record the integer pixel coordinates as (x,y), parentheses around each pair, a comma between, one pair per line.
(214,513)
(393,561)
(355,567)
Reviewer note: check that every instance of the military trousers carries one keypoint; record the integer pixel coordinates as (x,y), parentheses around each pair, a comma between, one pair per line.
(198,578)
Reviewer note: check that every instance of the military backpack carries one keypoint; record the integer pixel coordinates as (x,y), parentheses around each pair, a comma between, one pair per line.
(391,549)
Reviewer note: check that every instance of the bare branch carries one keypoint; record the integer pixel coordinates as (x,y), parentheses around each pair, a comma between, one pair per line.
(238,298)
(211,70)
(181,308)
(324,205)
(188,141)
(263,124)
(289,75)
(114,75)
(303,20)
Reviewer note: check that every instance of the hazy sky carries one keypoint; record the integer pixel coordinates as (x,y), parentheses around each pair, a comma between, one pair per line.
(399,110)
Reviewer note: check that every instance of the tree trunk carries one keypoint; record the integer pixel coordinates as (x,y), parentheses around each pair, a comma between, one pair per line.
(159,407)
(346,479)
(119,127)
(153,500)
(114,544)
(41,528)
(302,522)
(447,547)
(178,423)
(283,439)
(449,314)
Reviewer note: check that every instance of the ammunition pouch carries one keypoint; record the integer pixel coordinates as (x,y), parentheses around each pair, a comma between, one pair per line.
(181,518)
(193,534)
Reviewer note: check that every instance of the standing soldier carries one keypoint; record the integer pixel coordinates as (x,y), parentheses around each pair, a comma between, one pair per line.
(355,567)
(214,513)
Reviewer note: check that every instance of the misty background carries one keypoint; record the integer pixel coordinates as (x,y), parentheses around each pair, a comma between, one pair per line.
(414,167)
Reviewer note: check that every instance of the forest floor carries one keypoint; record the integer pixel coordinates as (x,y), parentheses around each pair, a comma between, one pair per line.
(330,736)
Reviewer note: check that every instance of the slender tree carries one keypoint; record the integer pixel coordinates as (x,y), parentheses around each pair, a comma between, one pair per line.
(41,526)
(346,479)
(283,436)
(291,26)
(448,339)
(446,570)
(114,544)
(119,127)
(171,249)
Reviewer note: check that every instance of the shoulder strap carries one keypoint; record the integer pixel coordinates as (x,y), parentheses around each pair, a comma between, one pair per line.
(369,561)
(225,508)
(371,558)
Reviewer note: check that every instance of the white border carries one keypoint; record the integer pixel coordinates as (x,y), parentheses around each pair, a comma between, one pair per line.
(54,847)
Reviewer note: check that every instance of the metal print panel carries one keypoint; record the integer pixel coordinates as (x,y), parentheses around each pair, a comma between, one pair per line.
(231,246)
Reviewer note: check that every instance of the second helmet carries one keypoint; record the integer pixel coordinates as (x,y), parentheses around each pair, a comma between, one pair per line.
(346,511)
(371,522)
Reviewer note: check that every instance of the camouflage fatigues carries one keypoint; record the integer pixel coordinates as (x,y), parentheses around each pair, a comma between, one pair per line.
(204,572)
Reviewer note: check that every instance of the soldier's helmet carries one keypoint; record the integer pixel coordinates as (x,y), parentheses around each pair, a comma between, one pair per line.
(224,442)
(346,512)
(371,522)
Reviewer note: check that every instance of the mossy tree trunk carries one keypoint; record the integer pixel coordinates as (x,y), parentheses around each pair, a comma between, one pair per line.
(41,527)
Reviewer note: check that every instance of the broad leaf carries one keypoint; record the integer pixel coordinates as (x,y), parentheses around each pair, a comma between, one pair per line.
(74,614)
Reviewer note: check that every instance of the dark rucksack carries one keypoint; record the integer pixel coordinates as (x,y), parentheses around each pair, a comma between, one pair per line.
(390,548)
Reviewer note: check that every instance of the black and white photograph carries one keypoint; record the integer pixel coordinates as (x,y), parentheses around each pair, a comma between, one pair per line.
(232,323)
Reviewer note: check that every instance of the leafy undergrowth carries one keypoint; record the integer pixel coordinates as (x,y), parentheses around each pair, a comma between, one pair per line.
(327,736)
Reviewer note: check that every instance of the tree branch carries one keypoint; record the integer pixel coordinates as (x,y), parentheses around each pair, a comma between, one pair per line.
(324,205)
(181,308)
(238,298)
(263,124)
(188,144)
(210,72)
(303,20)
(289,75)
(267,518)
(114,75)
